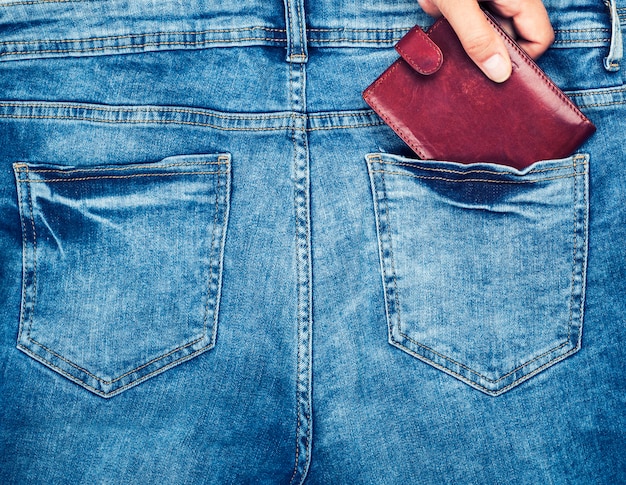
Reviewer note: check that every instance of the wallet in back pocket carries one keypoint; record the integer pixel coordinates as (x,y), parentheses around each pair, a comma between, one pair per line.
(442,105)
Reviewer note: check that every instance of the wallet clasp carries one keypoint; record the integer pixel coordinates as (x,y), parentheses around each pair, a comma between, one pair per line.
(420,52)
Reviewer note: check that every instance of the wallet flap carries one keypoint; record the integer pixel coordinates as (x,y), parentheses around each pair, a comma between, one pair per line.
(420,52)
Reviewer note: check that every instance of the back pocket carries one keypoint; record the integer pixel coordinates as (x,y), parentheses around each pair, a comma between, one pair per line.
(121,266)
(483,265)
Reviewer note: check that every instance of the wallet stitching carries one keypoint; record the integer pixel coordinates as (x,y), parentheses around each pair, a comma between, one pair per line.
(374,104)
(416,64)
(367,95)
(539,72)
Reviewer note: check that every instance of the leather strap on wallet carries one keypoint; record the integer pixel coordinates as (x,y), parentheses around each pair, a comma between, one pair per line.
(440,103)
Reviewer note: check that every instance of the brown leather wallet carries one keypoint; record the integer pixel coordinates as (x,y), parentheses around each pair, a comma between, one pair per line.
(440,103)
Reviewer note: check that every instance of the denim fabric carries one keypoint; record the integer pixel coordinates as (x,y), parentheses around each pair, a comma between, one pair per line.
(461,247)
(218,266)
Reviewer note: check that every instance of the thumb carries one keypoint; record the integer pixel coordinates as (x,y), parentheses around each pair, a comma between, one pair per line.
(479,39)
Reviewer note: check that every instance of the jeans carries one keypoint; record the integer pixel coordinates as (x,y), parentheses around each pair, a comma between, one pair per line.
(218,266)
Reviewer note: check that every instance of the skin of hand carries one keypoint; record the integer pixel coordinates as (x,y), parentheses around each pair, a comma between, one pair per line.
(526,20)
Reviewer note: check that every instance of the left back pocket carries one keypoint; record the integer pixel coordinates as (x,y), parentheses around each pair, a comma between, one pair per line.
(122,266)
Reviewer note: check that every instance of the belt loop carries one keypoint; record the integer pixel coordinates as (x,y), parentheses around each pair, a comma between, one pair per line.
(296,31)
(616,51)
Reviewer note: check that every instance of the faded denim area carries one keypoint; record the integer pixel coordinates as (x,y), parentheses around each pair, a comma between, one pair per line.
(161,222)
(219,266)
(466,286)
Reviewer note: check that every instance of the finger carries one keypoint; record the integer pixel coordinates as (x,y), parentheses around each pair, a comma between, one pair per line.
(430,8)
(481,42)
(530,22)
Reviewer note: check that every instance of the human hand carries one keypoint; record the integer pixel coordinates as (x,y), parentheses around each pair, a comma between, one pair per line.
(526,20)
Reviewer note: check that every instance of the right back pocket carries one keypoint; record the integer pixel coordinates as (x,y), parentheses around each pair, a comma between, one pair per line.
(483,265)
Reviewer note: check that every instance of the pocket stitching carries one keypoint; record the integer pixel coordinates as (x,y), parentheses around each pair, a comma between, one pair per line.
(24,169)
(493,381)
(108,177)
(35,280)
(479,180)
(99,392)
(421,166)
(576,246)
(393,267)
(221,161)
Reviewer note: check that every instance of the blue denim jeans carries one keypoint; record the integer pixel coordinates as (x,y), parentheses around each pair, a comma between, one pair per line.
(218,266)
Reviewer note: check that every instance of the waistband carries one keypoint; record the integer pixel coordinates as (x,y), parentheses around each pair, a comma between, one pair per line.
(55,28)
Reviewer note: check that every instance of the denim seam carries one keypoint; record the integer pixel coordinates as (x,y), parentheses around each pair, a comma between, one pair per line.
(393,265)
(82,383)
(188,123)
(480,180)
(289,22)
(198,44)
(398,317)
(99,379)
(20,196)
(134,36)
(356,41)
(307,412)
(88,112)
(599,93)
(342,127)
(574,249)
(298,309)
(302,243)
(558,31)
(463,366)
(137,122)
(491,172)
(210,280)
(145,109)
(599,105)
(342,29)
(120,168)
(298,303)
(72,363)
(448,359)
(581,41)
(302,30)
(577,94)
(35,286)
(109,177)
(138,46)
(359,113)
(36,2)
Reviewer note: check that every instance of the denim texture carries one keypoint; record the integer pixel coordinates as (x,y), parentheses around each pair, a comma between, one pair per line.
(219,266)
(483,234)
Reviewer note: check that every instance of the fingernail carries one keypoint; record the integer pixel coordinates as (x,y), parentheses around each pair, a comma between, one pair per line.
(497,69)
